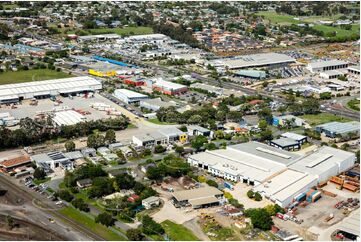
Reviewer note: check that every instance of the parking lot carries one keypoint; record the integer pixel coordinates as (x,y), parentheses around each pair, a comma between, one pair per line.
(79,103)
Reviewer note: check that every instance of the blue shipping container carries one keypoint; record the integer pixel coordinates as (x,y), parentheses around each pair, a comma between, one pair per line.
(301,197)
(228,185)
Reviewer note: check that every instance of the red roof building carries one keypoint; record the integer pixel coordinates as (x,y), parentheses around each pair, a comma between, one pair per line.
(133,198)
(11,164)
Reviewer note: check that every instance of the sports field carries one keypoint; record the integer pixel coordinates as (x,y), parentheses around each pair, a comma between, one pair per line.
(10,77)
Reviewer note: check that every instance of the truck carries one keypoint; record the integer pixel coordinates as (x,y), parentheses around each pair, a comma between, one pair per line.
(229,186)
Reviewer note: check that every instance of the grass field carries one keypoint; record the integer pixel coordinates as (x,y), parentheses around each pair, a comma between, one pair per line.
(120,31)
(178,232)
(354,104)
(37,182)
(284,19)
(11,77)
(321,118)
(99,229)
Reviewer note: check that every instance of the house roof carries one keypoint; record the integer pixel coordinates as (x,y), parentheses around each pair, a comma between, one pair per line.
(15,161)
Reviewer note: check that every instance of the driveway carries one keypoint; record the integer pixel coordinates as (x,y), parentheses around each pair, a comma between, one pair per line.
(177,215)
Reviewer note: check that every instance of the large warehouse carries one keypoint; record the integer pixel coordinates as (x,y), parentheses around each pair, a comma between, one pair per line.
(256,60)
(276,174)
(169,88)
(11,93)
(322,66)
(129,96)
(250,162)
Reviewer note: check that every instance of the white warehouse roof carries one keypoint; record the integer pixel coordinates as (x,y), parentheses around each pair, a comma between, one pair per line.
(168,85)
(261,59)
(49,87)
(129,93)
(69,117)
(321,64)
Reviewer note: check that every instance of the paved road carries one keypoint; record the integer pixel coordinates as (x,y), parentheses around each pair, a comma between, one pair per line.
(65,226)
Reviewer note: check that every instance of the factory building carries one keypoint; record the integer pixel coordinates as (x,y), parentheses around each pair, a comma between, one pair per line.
(155,104)
(128,96)
(255,74)
(322,66)
(335,129)
(198,197)
(255,60)
(168,88)
(276,174)
(68,117)
(332,74)
(52,160)
(12,93)
(354,70)
(250,163)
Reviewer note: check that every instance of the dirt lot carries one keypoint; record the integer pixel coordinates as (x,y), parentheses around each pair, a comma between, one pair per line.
(240,193)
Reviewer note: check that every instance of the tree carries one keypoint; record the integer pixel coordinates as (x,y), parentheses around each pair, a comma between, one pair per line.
(257,197)
(266,135)
(234,202)
(134,234)
(325,95)
(159,149)
(211,146)
(266,114)
(105,219)
(125,181)
(260,218)
(250,194)
(149,226)
(195,119)
(273,209)
(69,146)
(65,195)
(198,142)
(95,140)
(219,134)
(39,173)
(212,183)
(262,124)
(110,136)
(80,204)
(179,149)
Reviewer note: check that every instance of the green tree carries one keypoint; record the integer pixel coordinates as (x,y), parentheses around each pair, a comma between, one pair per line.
(260,218)
(134,234)
(257,197)
(80,204)
(65,195)
(262,124)
(105,219)
(212,183)
(110,136)
(69,146)
(39,173)
(199,141)
(219,134)
(159,149)
(149,226)
(250,194)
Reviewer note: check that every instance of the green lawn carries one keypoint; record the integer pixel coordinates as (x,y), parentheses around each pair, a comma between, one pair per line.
(321,118)
(99,229)
(156,121)
(10,77)
(354,104)
(120,31)
(285,19)
(339,32)
(37,182)
(178,232)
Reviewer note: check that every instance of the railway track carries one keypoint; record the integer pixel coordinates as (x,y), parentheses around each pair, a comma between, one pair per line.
(30,197)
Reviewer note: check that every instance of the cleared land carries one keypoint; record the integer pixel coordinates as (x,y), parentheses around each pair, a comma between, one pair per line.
(178,232)
(321,118)
(11,77)
(99,229)
(120,31)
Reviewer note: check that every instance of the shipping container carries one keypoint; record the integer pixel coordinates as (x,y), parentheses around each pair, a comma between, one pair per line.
(309,192)
(316,196)
(228,185)
(300,197)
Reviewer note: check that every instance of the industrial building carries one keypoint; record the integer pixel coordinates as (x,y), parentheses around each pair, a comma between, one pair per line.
(169,88)
(160,137)
(354,70)
(250,163)
(285,144)
(13,163)
(194,130)
(98,37)
(332,74)
(129,96)
(322,66)
(255,74)
(198,197)
(255,60)
(52,160)
(155,104)
(147,39)
(293,120)
(276,174)
(68,117)
(12,93)
(335,129)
